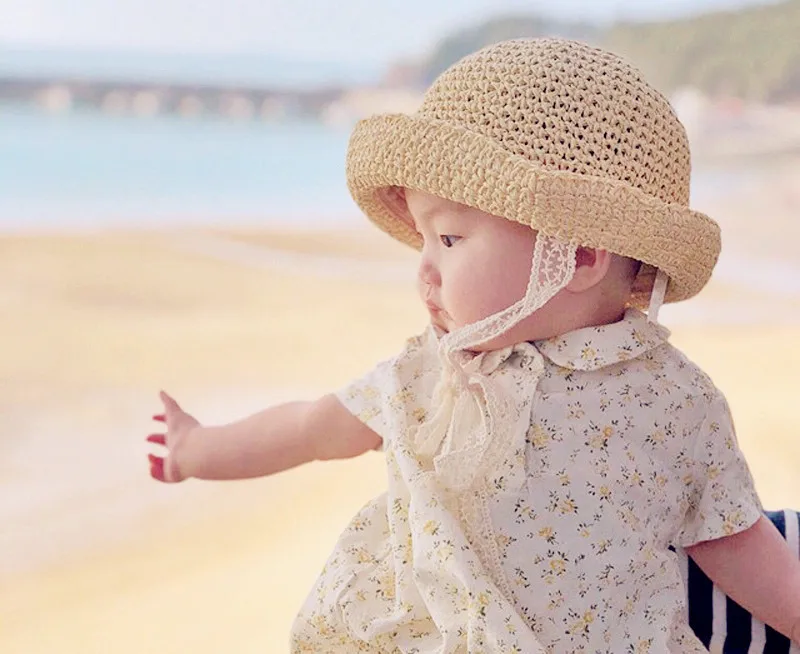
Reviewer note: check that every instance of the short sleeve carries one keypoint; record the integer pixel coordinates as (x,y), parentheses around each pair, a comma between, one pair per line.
(723,499)
(394,395)
(365,398)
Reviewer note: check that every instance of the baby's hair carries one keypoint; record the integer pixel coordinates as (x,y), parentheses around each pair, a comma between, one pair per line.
(631,268)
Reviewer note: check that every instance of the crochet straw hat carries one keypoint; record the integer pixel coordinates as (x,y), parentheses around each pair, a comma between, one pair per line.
(553,134)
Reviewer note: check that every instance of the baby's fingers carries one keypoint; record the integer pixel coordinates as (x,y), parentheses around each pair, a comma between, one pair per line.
(156,467)
(169,404)
(158,439)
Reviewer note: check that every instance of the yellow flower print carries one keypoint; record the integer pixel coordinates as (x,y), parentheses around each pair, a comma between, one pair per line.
(567,506)
(386,587)
(523,512)
(321,624)
(479,603)
(731,523)
(538,437)
(363,555)
(576,412)
(582,622)
(521,579)
(558,566)
(444,551)
(431,527)
(548,534)
(651,365)
(370,392)
(403,398)
(503,541)
(556,600)
(400,509)
(600,439)
(419,415)
(368,414)
(359,523)
(602,546)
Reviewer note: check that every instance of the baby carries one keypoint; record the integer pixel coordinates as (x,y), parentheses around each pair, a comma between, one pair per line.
(545,444)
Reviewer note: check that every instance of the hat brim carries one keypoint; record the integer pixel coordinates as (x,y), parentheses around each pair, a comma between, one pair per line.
(462,166)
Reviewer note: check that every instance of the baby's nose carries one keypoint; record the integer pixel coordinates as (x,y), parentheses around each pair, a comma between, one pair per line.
(428,274)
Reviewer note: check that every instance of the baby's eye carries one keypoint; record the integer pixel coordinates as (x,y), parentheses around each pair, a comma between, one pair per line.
(448,240)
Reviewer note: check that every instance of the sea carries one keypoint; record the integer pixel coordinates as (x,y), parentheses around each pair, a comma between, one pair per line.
(93,170)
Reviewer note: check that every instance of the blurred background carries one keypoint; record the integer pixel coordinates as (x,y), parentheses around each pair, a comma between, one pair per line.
(173,214)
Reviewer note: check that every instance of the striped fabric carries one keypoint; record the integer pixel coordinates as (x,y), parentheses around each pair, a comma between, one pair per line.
(720,623)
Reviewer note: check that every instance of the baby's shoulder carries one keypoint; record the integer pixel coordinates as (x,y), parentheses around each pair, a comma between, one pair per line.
(662,383)
(685,373)
(685,389)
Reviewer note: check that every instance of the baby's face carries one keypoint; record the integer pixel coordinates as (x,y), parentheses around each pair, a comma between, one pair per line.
(473,264)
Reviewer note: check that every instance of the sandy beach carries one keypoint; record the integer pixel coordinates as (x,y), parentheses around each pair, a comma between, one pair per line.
(96,558)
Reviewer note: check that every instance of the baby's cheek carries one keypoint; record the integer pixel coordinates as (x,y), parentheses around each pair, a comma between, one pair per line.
(477,299)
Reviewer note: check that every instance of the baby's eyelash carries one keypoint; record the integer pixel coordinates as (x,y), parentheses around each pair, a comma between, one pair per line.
(449,240)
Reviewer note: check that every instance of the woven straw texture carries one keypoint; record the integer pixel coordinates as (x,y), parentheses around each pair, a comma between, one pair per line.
(554,134)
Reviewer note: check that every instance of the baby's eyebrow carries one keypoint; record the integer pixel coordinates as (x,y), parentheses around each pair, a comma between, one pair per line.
(434,212)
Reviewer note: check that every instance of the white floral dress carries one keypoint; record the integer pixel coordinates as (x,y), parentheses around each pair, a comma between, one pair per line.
(621,447)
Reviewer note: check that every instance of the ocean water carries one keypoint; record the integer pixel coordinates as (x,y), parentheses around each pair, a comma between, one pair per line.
(92,170)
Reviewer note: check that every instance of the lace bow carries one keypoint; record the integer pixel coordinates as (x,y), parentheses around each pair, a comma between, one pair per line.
(480,402)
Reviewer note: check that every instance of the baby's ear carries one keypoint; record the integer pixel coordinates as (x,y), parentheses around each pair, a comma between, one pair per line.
(394,197)
(591,268)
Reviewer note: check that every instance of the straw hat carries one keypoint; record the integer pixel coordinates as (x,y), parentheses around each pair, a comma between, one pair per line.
(553,134)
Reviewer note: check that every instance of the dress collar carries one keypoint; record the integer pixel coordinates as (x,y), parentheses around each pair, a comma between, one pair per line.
(593,348)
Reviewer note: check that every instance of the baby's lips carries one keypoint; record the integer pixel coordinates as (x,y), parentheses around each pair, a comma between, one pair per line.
(160,417)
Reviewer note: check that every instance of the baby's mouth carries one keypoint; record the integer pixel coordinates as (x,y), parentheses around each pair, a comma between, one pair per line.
(439,316)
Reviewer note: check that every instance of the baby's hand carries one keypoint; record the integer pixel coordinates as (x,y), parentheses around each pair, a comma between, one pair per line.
(179,424)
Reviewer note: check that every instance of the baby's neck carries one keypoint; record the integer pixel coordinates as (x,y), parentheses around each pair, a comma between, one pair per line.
(569,313)
(553,320)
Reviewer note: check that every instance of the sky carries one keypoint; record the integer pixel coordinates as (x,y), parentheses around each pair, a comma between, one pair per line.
(338,30)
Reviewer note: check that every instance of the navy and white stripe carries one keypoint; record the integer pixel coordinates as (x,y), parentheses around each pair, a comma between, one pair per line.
(721,624)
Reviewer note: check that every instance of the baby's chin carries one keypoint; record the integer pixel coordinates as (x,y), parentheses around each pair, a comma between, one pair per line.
(438,329)
(509,339)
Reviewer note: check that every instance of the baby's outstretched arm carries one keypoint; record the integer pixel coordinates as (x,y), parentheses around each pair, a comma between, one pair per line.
(276,439)
(758,570)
